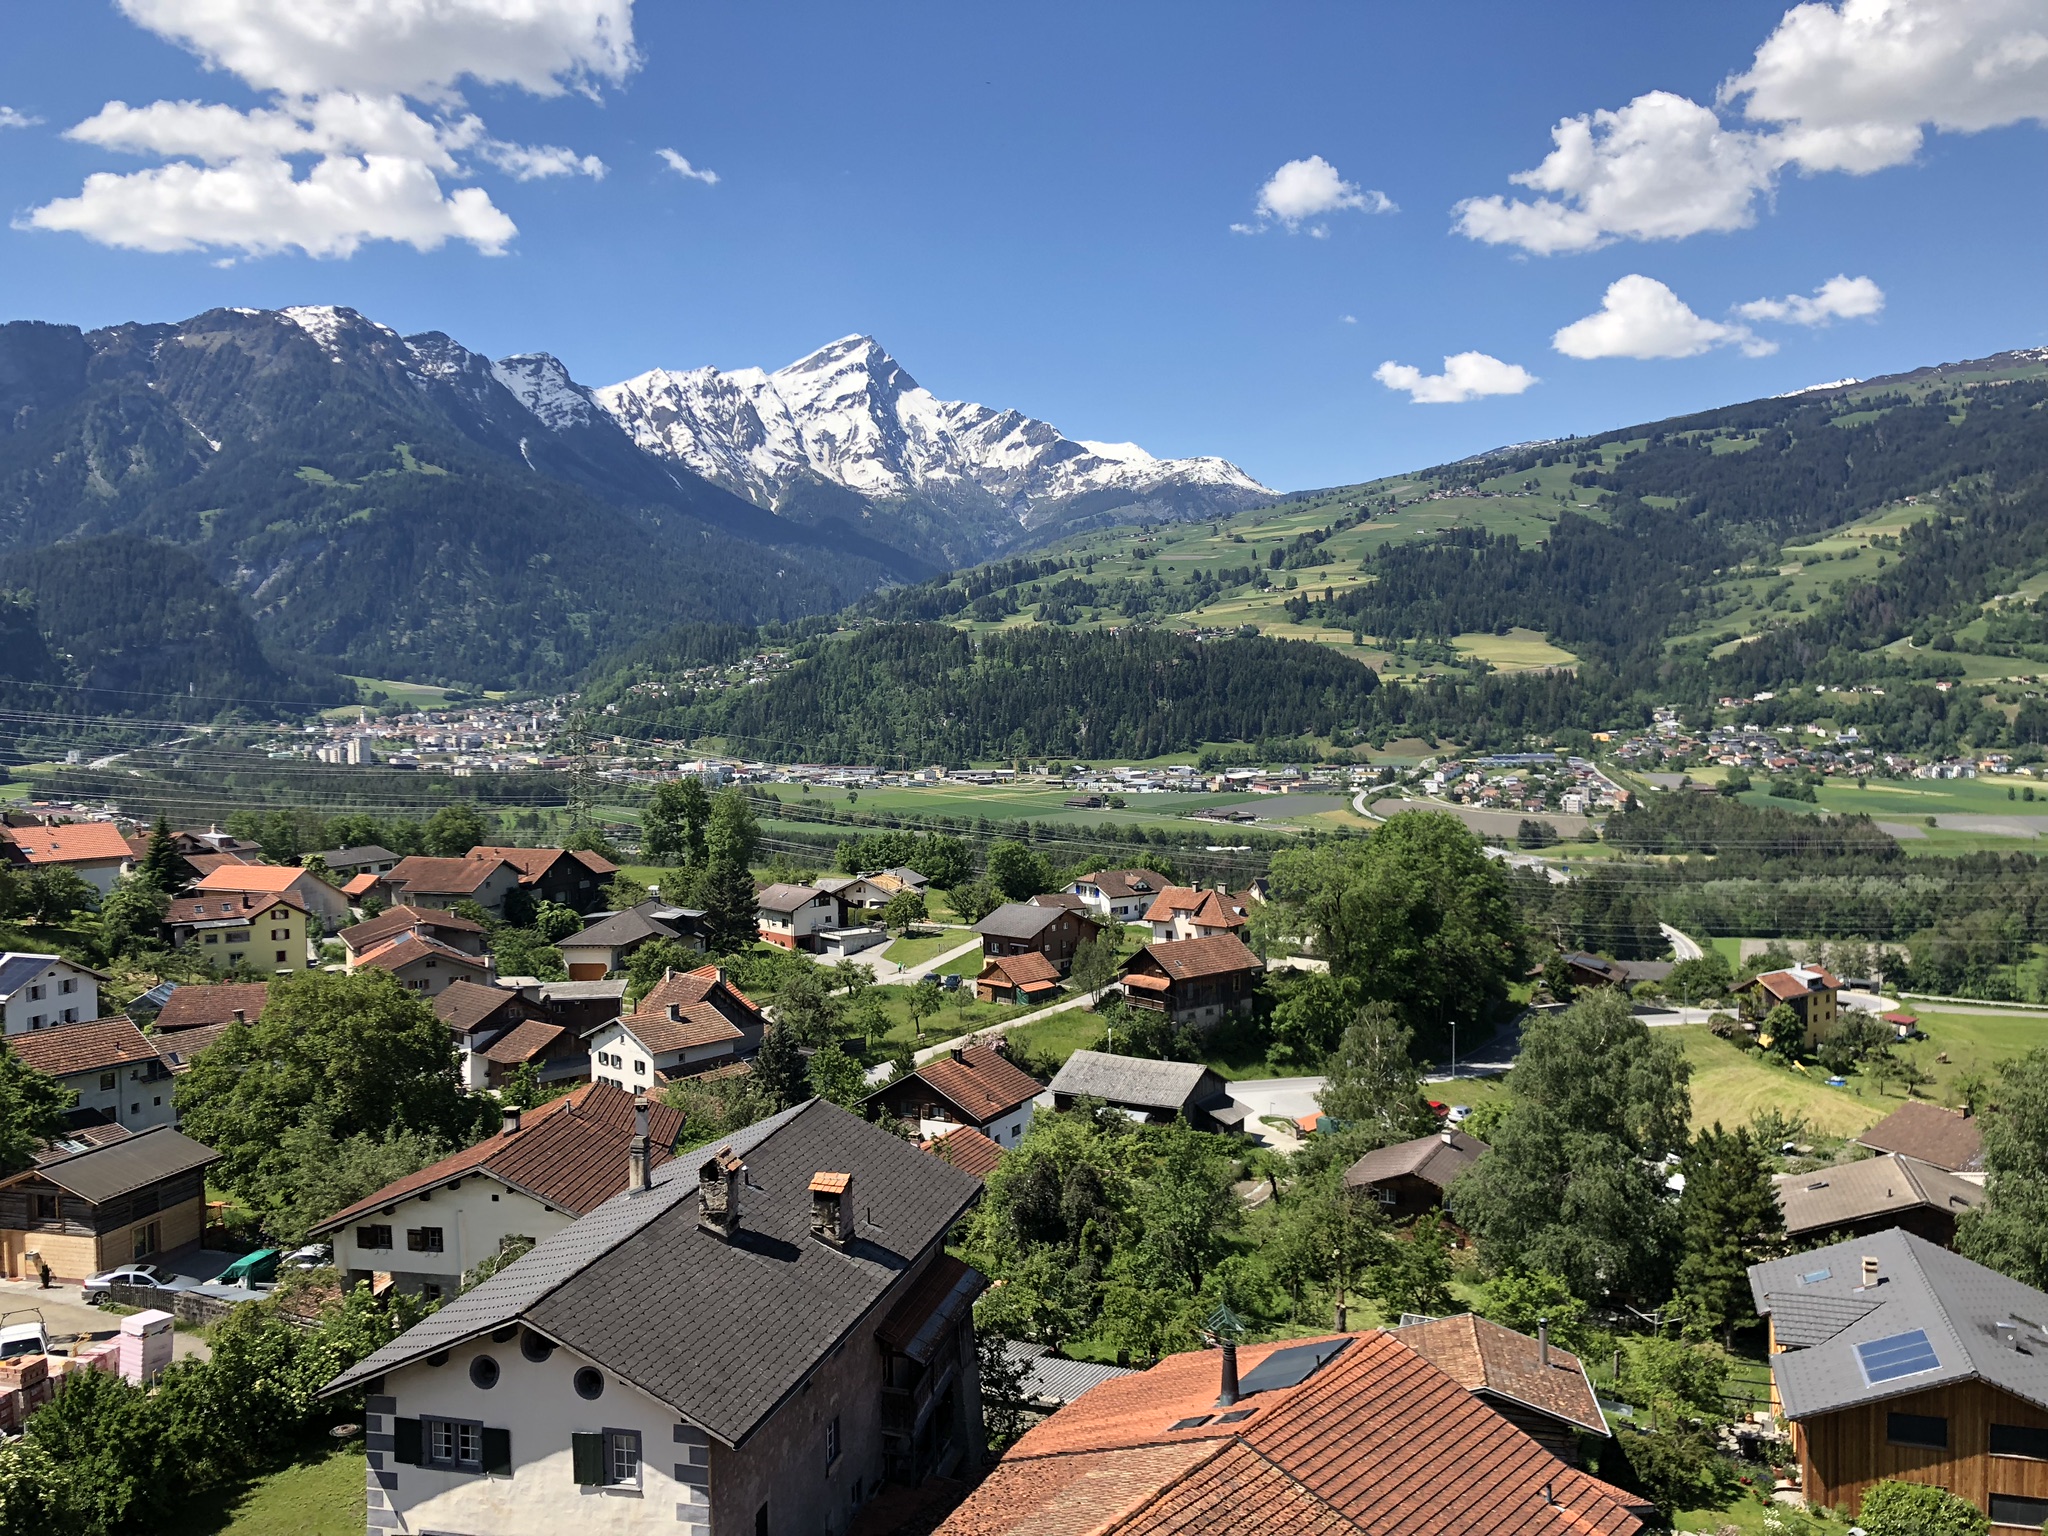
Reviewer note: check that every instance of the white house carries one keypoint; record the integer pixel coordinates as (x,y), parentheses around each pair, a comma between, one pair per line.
(94,850)
(689,1023)
(112,1067)
(547,1167)
(37,991)
(1124,894)
(757,1338)
(793,915)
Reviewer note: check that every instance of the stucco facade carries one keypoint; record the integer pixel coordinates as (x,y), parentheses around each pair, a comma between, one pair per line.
(43,990)
(467,1221)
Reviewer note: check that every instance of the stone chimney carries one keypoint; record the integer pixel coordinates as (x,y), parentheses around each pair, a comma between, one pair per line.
(718,1193)
(832,1208)
(511,1119)
(636,1156)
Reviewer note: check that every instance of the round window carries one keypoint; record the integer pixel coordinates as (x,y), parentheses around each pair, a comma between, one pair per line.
(483,1373)
(536,1348)
(590,1383)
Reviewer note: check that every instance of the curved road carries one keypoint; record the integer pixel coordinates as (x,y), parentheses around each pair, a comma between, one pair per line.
(1682,948)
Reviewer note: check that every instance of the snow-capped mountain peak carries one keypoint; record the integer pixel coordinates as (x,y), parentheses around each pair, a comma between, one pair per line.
(540,383)
(850,414)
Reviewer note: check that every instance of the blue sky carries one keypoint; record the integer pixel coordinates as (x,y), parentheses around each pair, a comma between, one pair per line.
(1034,208)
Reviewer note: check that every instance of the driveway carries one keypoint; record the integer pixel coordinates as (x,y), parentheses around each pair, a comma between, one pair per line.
(69,1320)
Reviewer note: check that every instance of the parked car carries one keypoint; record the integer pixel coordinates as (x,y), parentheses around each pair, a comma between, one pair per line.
(142,1276)
(23,1333)
(312,1256)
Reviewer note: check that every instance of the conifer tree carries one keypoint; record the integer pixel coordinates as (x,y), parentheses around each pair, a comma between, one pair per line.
(1729,1219)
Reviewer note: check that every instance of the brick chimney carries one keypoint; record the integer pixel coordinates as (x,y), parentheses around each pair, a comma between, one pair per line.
(832,1208)
(636,1155)
(718,1193)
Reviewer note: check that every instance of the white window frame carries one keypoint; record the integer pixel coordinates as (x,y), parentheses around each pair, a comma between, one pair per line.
(620,1443)
(462,1438)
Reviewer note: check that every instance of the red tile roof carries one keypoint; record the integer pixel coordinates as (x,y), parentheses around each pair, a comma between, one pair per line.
(1030,969)
(361,885)
(1120,884)
(1191,959)
(533,863)
(91,1047)
(980,1082)
(1947,1138)
(179,1049)
(75,843)
(569,1153)
(1377,1440)
(1786,985)
(463,1005)
(524,1041)
(1482,1356)
(691,1008)
(443,877)
(395,954)
(227,906)
(968,1150)
(190,1007)
(273,878)
(1205,909)
(369,934)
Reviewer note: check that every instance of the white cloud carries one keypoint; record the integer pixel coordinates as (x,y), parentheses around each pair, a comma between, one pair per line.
(1850,86)
(343,76)
(418,48)
(1349,319)
(1302,190)
(258,206)
(1467,376)
(1642,318)
(535,162)
(10,118)
(1854,86)
(1661,168)
(1839,298)
(682,167)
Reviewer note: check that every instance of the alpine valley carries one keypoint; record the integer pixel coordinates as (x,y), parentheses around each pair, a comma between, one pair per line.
(340,498)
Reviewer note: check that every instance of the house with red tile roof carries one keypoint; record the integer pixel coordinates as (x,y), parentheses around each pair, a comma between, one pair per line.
(95,850)
(419,881)
(543,1170)
(1536,1386)
(569,877)
(689,1023)
(428,922)
(975,1085)
(1807,990)
(226,1002)
(326,903)
(1193,981)
(1179,912)
(266,930)
(1350,1435)
(1123,895)
(1950,1139)
(423,965)
(966,1149)
(110,1064)
(1026,978)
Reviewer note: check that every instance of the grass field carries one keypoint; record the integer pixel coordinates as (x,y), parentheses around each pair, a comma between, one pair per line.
(1732,1086)
(319,1496)
(915,951)
(1519,650)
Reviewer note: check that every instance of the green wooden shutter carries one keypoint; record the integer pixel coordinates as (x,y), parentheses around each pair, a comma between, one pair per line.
(498,1451)
(587,1453)
(408,1441)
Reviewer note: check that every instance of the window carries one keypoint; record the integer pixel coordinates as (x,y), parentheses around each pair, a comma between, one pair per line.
(832,1441)
(35,994)
(640,1067)
(213,938)
(430,1292)
(622,1458)
(36,1022)
(70,1015)
(373,1237)
(106,1082)
(1916,1429)
(2019,1440)
(455,1443)
(2010,1509)
(423,1239)
(67,985)
(280,957)
(589,1383)
(46,1207)
(239,938)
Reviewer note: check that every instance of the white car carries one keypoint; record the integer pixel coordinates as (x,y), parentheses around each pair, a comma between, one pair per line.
(312,1256)
(139,1275)
(23,1333)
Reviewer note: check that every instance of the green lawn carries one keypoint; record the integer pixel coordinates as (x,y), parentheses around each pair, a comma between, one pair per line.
(968,964)
(1732,1085)
(1052,1041)
(950,1019)
(918,950)
(319,1496)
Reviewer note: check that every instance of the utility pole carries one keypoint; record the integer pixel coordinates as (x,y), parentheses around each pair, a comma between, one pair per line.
(582,791)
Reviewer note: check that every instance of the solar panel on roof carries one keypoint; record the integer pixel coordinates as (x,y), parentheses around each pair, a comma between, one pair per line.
(1290,1367)
(1903,1354)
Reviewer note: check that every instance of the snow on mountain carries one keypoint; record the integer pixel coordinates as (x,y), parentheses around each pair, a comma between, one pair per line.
(541,384)
(848,413)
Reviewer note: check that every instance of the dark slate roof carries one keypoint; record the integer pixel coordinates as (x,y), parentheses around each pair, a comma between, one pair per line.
(1017,920)
(1437,1159)
(132,1163)
(1959,1305)
(1131,1079)
(780,1300)
(649,920)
